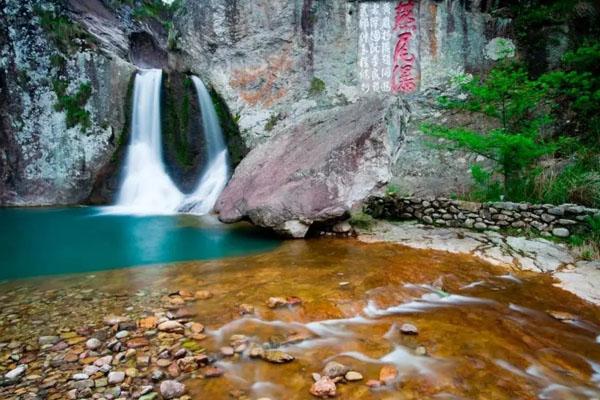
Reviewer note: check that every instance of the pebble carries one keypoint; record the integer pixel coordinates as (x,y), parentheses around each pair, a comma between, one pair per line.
(213,372)
(90,370)
(16,372)
(324,387)
(45,340)
(246,309)
(93,344)
(334,369)
(131,372)
(352,376)
(227,351)
(421,351)
(171,389)
(277,357)
(122,334)
(81,377)
(276,302)
(171,326)
(115,377)
(409,329)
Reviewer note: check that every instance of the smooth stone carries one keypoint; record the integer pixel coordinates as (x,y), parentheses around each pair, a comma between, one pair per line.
(16,372)
(277,357)
(149,396)
(81,377)
(409,329)
(171,389)
(131,372)
(157,375)
(102,382)
(90,370)
(227,351)
(115,319)
(213,372)
(45,340)
(171,326)
(334,369)
(421,351)
(203,295)
(561,232)
(122,334)
(352,376)
(93,344)
(115,377)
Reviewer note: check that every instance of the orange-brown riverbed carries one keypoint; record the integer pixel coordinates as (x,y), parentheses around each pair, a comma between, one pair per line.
(487,332)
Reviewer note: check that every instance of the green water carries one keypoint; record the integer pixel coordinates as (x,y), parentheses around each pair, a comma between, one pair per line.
(37,242)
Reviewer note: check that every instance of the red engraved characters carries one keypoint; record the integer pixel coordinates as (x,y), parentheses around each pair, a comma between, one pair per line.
(403,79)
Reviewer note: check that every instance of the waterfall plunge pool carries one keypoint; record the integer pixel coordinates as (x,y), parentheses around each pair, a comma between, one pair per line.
(51,241)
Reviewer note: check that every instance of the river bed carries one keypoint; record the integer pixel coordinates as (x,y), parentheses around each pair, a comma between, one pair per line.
(482,332)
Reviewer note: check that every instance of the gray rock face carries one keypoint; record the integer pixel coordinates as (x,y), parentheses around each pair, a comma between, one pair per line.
(316,169)
(42,160)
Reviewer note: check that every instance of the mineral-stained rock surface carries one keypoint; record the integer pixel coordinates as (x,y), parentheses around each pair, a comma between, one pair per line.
(316,169)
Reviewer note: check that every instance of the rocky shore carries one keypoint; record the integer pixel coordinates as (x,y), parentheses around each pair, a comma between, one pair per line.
(516,253)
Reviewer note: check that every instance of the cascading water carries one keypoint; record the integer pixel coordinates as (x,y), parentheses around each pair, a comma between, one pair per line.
(147,188)
(216,173)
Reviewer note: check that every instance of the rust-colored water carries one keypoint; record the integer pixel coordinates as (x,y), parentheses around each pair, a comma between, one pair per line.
(489,340)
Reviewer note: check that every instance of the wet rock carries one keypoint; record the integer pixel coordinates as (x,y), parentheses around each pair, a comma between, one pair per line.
(142,361)
(227,351)
(353,376)
(203,295)
(246,309)
(157,375)
(213,372)
(342,227)
(334,369)
(16,372)
(115,320)
(182,313)
(276,302)
(138,342)
(116,377)
(131,372)
(187,364)
(80,377)
(102,382)
(46,340)
(388,374)
(122,334)
(172,389)
(421,351)
(256,351)
(93,344)
(196,327)
(409,329)
(277,357)
(171,327)
(373,383)
(563,316)
(90,370)
(324,387)
(148,323)
(173,370)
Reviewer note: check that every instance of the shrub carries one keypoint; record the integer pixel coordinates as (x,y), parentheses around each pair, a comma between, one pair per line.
(362,220)
(272,121)
(61,30)
(73,104)
(317,86)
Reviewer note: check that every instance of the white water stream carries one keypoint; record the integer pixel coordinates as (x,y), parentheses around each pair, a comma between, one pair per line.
(147,187)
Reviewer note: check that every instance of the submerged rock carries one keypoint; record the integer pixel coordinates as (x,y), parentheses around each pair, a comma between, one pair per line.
(314,170)
(334,369)
(171,389)
(353,376)
(324,387)
(388,374)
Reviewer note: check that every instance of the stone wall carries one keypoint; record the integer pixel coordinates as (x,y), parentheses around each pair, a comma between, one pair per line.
(547,219)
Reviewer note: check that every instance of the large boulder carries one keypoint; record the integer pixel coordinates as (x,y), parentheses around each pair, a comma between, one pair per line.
(316,168)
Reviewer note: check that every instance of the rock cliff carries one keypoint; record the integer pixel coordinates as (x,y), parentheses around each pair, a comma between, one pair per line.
(277,65)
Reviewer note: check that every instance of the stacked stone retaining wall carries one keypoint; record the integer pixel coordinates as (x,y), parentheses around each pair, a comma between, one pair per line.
(561,221)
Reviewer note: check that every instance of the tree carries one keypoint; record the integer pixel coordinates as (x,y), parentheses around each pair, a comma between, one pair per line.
(519,106)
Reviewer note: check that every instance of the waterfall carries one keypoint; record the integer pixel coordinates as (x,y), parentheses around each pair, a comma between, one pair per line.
(147,188)
(216,172)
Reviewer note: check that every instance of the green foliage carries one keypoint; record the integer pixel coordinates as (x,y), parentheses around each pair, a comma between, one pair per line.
(587,243)
(158,10)
(513,100)
(73,104)
(176,124)
(361,220)
(317,86)
(576,92)
(272,121)
(229,125)
(61,30)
